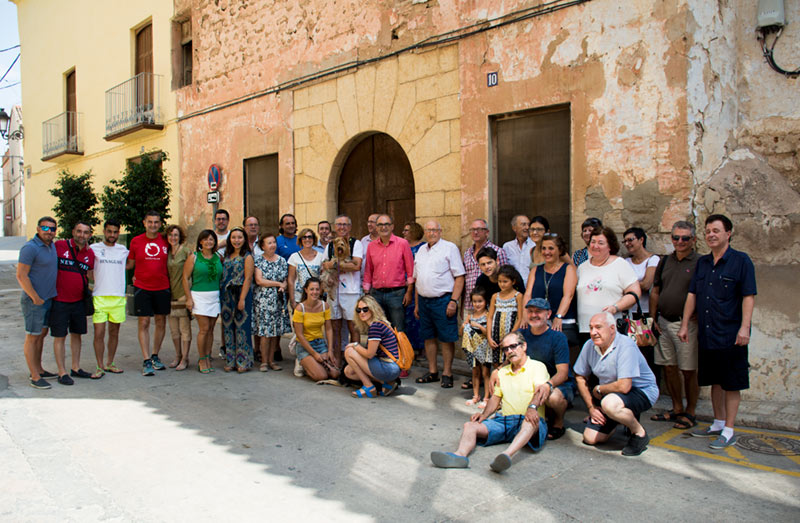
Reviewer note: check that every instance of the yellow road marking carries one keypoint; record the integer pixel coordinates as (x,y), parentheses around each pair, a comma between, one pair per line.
(734,453)
(780,447)
(733,458)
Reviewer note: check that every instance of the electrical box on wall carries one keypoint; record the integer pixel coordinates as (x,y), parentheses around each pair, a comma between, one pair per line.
(771,14)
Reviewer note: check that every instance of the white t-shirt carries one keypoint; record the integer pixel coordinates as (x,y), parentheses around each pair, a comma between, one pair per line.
(600,287)
(220,239)
(640,269)
(109,269)
(302,268)
(350,282)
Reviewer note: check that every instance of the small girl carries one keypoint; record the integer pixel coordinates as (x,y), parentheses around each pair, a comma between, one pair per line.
(476,347)
(504,309)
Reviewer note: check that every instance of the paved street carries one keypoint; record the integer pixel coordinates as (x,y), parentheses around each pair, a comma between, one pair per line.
(186,446)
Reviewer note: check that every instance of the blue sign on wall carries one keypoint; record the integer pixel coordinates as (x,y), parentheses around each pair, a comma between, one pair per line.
(491,79)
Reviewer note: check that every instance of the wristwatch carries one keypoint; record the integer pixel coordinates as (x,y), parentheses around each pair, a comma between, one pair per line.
(533,406)
(560,316)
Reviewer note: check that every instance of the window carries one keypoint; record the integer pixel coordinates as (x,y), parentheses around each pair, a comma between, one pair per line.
(181,53)
(531,169)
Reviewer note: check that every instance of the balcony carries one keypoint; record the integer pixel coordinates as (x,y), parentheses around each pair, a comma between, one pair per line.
(134,106)
(62,137)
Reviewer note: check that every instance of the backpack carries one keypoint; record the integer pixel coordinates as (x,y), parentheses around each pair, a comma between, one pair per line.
(404,349)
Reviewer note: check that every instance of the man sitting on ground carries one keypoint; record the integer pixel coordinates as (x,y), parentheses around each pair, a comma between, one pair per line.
(627,386)
(522,419)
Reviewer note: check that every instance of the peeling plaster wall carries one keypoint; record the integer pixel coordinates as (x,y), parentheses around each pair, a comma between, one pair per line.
(744,134)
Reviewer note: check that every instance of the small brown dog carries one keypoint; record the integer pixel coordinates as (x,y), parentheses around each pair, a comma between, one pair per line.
(341,253)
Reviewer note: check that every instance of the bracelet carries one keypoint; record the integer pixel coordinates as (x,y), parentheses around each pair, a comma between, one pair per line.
(550,385)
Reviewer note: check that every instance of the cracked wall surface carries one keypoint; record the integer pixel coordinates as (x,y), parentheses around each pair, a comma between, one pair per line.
(674,115)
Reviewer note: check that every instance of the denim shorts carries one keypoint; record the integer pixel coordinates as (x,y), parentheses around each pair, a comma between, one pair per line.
(433,320)
(383,371)
(37,317)
(318,345)
(568,390)
(503,429)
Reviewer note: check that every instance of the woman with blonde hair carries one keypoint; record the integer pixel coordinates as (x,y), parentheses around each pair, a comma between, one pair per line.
(378,360)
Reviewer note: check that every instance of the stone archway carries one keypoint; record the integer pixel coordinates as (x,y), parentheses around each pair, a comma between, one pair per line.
(377,177)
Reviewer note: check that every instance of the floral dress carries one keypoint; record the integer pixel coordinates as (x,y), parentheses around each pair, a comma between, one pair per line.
(269,307)
(474,343)
(236,324)
(505,314)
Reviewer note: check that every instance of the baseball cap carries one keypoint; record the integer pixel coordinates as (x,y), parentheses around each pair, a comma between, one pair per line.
(539,303)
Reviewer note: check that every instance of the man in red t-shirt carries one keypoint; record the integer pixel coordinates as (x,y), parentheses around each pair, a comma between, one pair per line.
(151,294)
(68,313)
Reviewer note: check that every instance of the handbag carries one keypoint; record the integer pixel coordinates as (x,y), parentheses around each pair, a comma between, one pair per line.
(88,301)
(638,329)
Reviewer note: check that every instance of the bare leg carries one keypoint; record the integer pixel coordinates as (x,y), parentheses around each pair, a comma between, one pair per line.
(732,399)
(673,379)
(75,350)
(144,336)
(614,408)
(487,387)
(448,352)
(718,402)
(337,332)
(526,432)
(59,350)
(33,354)
(161,330)
(205,340)
(262,347)
(359,368)
(314,370)
(692,390)
(469,437)
(558,404)
(99,343)
(113,341)
(431,347)
(185,324)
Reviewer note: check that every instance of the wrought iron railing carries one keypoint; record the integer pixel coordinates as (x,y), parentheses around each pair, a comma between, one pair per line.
(134,102)
(62,134)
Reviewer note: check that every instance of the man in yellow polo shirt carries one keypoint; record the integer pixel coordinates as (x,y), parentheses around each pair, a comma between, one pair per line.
(522,419)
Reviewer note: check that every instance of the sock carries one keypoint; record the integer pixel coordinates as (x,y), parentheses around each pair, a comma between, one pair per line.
(727,433)
(718,424)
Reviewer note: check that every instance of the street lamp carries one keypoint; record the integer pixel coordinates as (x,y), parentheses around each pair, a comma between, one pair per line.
(5,122)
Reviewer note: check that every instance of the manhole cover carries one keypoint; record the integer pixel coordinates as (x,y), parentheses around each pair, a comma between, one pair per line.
(773,445)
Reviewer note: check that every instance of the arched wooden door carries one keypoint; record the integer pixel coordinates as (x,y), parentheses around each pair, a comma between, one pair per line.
(377,178)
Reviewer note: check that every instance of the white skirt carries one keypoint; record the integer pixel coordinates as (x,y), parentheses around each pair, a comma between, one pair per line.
(206,303)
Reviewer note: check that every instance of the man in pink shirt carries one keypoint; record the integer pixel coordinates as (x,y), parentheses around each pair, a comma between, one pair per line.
(389,272)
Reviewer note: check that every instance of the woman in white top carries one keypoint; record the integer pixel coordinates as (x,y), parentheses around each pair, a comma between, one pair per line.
(604,279)
(644,263)
(303,264)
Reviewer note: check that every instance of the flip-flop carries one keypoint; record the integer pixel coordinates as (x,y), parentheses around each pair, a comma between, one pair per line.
(98,373)
(474,401)
(428,378)
(113,369)
(555,432)
(449,460)
(364,392)
(501,462)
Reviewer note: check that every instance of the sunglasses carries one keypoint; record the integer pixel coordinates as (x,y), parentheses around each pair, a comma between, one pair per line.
(384,224)
(676,238)
(510,347)
(48,228)
(629,240)
(359,310)
(308,237)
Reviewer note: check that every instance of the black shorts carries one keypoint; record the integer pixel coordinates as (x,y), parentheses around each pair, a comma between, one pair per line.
(67,317)
(149,303)
(635,400)
(728,368)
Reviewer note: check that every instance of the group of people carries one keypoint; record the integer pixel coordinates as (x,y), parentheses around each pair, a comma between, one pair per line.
(524,309)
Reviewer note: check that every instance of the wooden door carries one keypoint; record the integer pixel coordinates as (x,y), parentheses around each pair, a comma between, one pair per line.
(261,191)
(377,178)
(144,64)
(71,116)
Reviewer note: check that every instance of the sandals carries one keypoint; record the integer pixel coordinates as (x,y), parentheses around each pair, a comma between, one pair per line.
(275,366)
(182,365)
(113,369)
(447,382)
(98,373)
(687,422)
(555,433)
(467,384)
(207,369)
(430,378)
(670,415)
(474,401)
(387,390)
(263,367)
(364,392)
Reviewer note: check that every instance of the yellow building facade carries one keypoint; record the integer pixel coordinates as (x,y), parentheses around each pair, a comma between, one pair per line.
(97,88)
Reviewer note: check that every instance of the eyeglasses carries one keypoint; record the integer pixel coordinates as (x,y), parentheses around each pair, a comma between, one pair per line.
(537,229)
(478,229)
(359,310)
(432,230)
(48,228)
(510,347)
(630,240)
(384,224)
(342,224)
(308,237)
(677,238)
